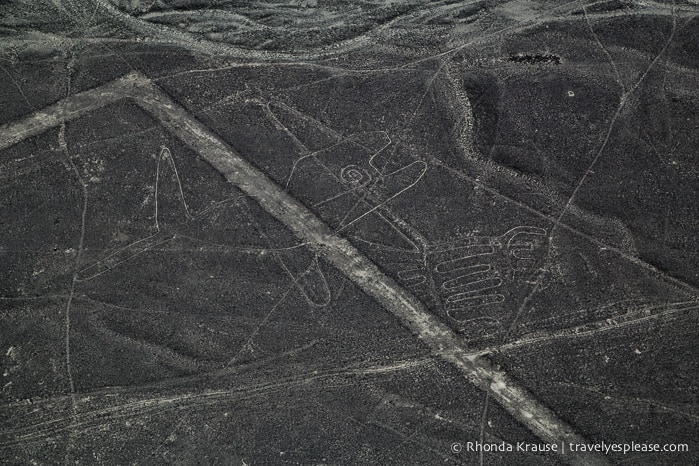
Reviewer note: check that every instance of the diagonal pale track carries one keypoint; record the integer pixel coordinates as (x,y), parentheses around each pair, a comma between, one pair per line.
(443,341)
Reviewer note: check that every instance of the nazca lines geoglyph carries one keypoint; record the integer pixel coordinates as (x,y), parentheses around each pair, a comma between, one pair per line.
(477,277)
(443,341)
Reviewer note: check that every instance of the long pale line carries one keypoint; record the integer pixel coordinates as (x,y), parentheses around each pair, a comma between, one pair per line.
(443,341)
(343,255)
(142,407)
(592,328)
(67,109)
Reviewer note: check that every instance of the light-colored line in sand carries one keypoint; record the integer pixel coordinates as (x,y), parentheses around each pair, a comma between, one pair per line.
(442,340)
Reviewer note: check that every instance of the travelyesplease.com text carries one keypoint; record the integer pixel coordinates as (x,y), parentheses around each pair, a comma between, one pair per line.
(563,447)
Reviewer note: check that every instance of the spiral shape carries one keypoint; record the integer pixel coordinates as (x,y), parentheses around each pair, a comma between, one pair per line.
(355,176)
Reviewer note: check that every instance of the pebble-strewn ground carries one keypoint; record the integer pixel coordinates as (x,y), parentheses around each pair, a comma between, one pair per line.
(328,232)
